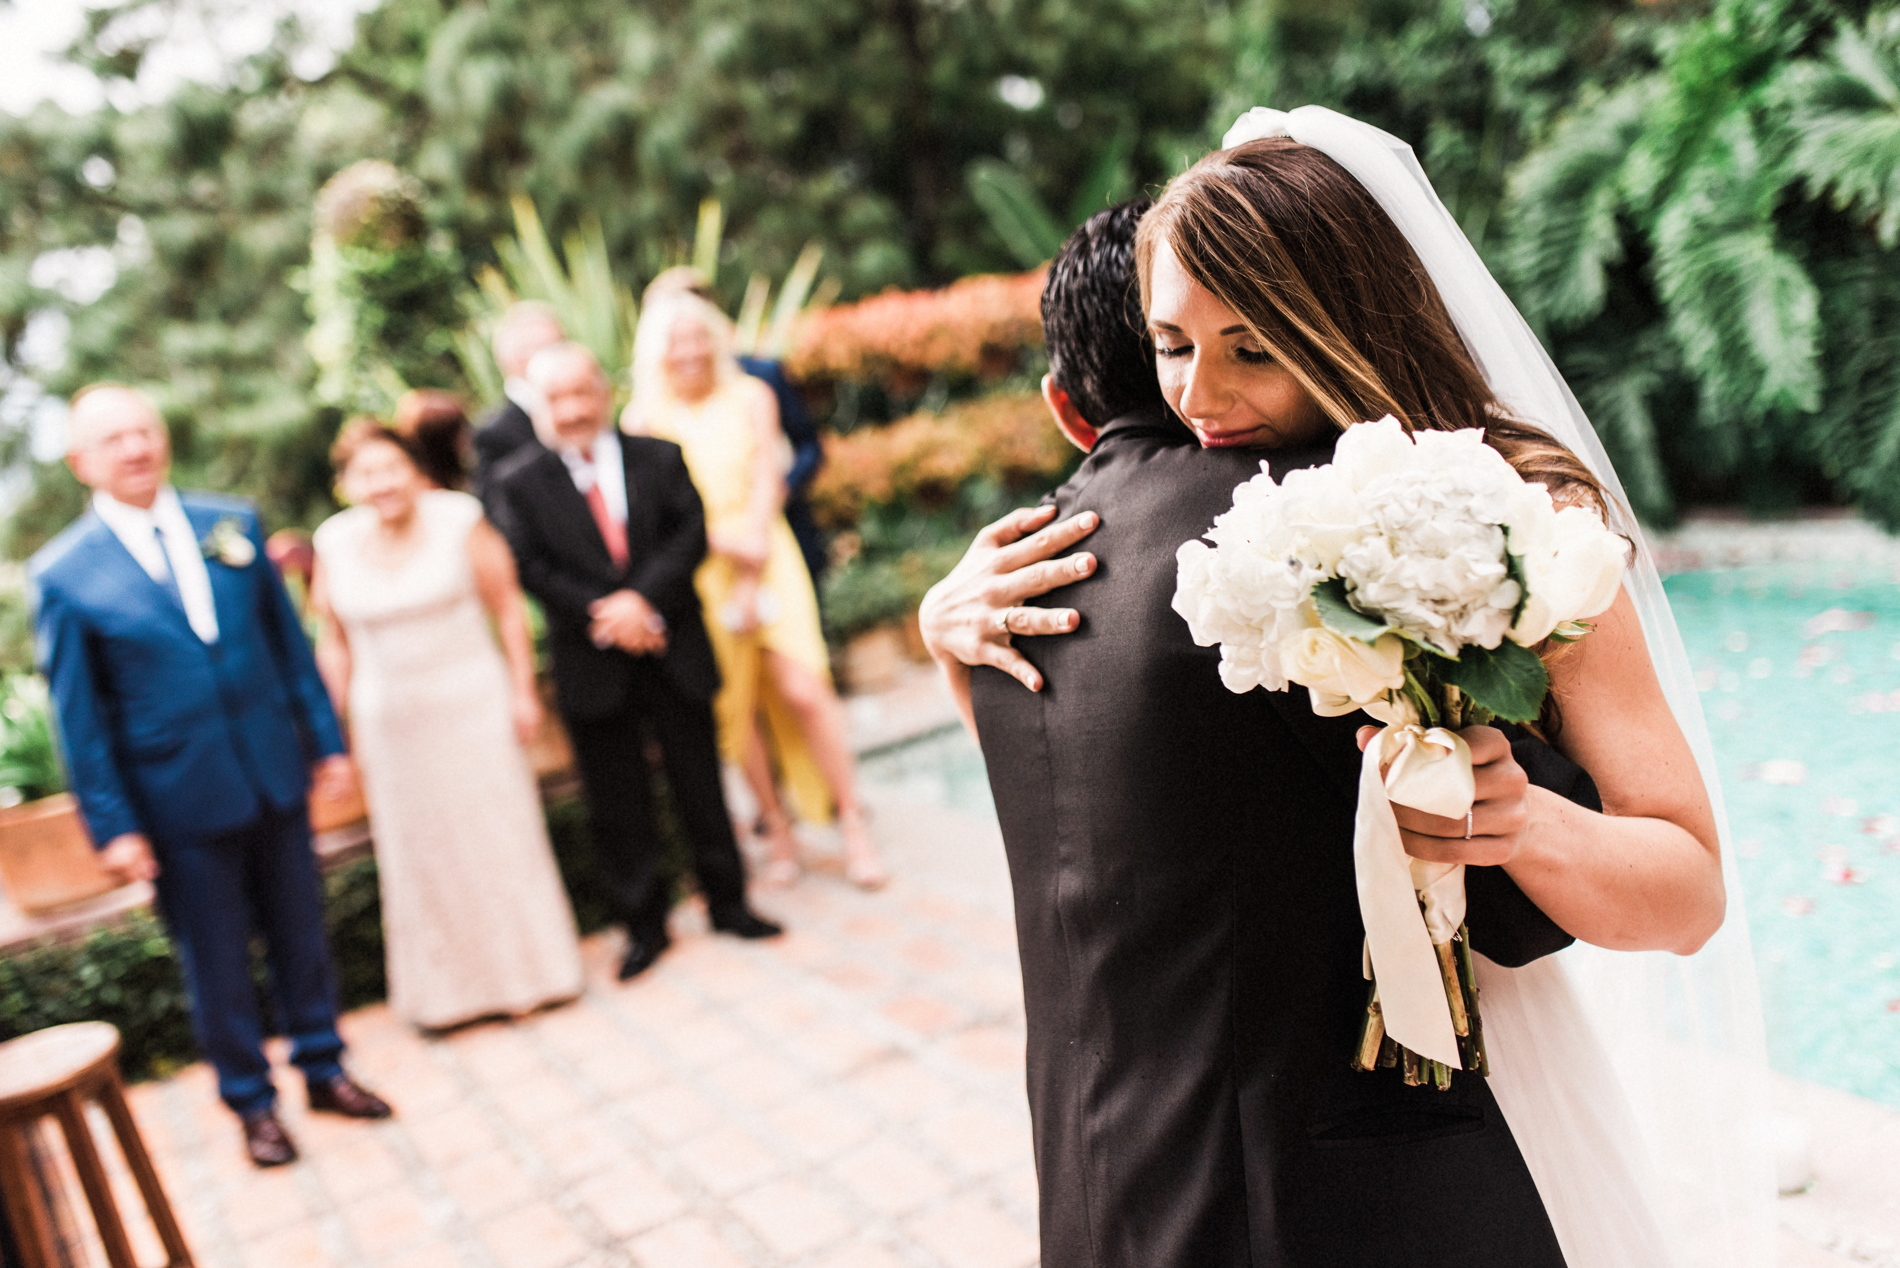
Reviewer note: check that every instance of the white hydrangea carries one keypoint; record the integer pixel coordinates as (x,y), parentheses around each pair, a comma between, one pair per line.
(1426,530)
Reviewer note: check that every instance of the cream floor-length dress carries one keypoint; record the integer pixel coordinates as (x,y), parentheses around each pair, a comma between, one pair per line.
(475,920)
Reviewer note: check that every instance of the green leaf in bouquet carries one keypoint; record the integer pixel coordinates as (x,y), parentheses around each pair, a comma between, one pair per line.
(1509,680)
(1337,613)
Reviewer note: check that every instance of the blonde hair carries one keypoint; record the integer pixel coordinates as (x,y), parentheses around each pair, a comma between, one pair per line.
(652,387)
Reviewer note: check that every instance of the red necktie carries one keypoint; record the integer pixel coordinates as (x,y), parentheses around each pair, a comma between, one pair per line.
(615,535)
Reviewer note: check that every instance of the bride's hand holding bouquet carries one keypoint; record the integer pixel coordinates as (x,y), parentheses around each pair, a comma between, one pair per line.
(1411,578)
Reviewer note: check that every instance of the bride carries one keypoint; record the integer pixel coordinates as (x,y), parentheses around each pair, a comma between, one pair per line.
(1301,279)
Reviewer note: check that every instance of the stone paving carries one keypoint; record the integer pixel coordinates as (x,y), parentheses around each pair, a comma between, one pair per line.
(849,1096)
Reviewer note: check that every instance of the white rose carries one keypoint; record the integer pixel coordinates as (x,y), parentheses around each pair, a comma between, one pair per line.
(1576,579)
(1339,666)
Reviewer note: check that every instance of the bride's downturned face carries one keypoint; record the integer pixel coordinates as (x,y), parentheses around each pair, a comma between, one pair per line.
(1227,388)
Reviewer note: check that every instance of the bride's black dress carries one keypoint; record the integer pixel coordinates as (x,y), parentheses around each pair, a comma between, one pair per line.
(1190,939)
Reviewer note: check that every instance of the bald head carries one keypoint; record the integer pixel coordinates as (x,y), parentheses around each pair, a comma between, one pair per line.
(575,396)
(524,330)
(117,443)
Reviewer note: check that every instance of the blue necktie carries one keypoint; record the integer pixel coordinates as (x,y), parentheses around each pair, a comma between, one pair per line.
(167,580)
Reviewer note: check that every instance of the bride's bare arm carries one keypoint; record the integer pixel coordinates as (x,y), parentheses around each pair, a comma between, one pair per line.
(1646,874)
(970,616)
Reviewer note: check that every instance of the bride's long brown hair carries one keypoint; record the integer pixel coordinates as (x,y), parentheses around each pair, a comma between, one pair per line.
(1307,258)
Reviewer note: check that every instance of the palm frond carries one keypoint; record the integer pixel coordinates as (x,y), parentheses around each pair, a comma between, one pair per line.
(1563,206)
(1843,114)
(1742,308)
(1856,434)
(1617,385)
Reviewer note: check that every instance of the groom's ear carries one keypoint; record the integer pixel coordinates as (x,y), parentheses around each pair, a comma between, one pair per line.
(1069,420)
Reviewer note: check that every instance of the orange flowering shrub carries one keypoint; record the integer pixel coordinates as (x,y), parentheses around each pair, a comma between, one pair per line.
(925,459)
(976,326)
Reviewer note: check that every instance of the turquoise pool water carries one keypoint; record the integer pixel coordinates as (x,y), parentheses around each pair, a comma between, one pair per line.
(1799,668)
(1800,675)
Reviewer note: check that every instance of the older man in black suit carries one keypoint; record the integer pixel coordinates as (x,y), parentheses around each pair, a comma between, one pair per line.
(607,531)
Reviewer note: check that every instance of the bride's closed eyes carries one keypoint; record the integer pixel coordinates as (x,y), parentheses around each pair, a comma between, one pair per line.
(1250,356)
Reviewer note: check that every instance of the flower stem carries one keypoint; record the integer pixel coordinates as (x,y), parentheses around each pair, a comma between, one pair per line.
(1372,1038)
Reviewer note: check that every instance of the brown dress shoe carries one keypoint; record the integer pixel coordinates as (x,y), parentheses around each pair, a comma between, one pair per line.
(342,1095)
(266,1140)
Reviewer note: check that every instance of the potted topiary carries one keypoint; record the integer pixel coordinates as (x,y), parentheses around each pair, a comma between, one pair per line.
(46,856)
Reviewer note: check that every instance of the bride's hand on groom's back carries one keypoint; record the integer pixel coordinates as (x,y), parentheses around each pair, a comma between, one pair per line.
(970,616)
(1500,813)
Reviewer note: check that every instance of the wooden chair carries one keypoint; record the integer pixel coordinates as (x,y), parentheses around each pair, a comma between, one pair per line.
(52,1073)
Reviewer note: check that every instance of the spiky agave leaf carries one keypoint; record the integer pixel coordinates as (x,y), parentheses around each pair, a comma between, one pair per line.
(1563,204)
(1742,308)
(1016,211)
(1843,113)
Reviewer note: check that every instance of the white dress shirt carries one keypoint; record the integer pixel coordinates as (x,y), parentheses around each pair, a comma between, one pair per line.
(180,559)
(605,468)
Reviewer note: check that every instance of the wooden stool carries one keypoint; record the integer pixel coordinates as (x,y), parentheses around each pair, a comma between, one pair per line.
(53,1073)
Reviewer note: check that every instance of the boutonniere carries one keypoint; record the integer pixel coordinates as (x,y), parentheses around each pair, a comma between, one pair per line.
(229,544)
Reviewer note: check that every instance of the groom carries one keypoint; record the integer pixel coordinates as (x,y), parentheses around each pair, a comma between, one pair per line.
(191,712)
(1190,1004)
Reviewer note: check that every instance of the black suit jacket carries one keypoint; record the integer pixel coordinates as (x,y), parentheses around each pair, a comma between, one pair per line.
(1189,929)
(565,564)
(505,431)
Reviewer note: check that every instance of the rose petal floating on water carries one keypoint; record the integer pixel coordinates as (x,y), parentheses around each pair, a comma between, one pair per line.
(1760,667)
(1815,655)
(1737,641)
(1842,874)
(1784,771)
(1845,806)
(1880,825)
(1836,621)
(1841,674)
(1749,847)
(1796,905)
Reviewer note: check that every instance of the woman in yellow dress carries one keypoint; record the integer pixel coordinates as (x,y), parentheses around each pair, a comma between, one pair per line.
(761,611)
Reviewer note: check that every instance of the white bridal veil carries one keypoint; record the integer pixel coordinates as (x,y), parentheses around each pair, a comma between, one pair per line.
(1635,1083)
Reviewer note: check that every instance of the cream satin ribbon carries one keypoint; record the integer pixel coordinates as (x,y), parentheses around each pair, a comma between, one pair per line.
(1429,770)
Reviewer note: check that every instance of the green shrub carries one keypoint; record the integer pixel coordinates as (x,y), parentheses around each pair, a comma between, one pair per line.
(29,753)
(128,974)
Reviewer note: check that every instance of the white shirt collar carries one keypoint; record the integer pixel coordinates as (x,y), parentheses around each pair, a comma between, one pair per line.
(605,469)
(177,559)
(121,516)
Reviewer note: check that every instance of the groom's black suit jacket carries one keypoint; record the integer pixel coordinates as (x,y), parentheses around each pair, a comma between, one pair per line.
(564,563)
(1190,937)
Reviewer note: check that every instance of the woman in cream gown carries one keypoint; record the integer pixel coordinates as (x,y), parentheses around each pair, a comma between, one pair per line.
(476,922)
(761,611)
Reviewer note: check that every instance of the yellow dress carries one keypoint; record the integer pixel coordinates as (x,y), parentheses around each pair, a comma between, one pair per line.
(718,439)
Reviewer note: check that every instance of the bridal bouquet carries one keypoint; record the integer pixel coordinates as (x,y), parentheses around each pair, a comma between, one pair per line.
(1410,578)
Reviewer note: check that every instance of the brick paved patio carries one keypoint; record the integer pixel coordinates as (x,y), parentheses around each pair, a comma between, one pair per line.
(849,1096)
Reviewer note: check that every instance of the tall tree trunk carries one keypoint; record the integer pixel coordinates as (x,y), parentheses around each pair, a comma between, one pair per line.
(920,138)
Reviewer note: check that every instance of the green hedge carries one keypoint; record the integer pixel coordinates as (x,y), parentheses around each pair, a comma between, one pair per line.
(128,975)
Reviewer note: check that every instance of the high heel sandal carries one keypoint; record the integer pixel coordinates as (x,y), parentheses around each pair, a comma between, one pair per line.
(782,869)
(862,866)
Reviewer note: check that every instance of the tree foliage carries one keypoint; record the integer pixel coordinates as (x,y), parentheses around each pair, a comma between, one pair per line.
(1707,242)
(852,123)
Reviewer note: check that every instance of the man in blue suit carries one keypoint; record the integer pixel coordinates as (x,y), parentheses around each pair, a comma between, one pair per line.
(191,715)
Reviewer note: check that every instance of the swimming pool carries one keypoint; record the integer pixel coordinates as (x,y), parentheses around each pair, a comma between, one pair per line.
(1799,666)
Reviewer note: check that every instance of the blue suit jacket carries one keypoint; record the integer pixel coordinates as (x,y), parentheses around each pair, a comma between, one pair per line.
(163,734)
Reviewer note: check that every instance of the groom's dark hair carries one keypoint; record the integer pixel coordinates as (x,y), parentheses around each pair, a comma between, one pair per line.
(1099,350)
